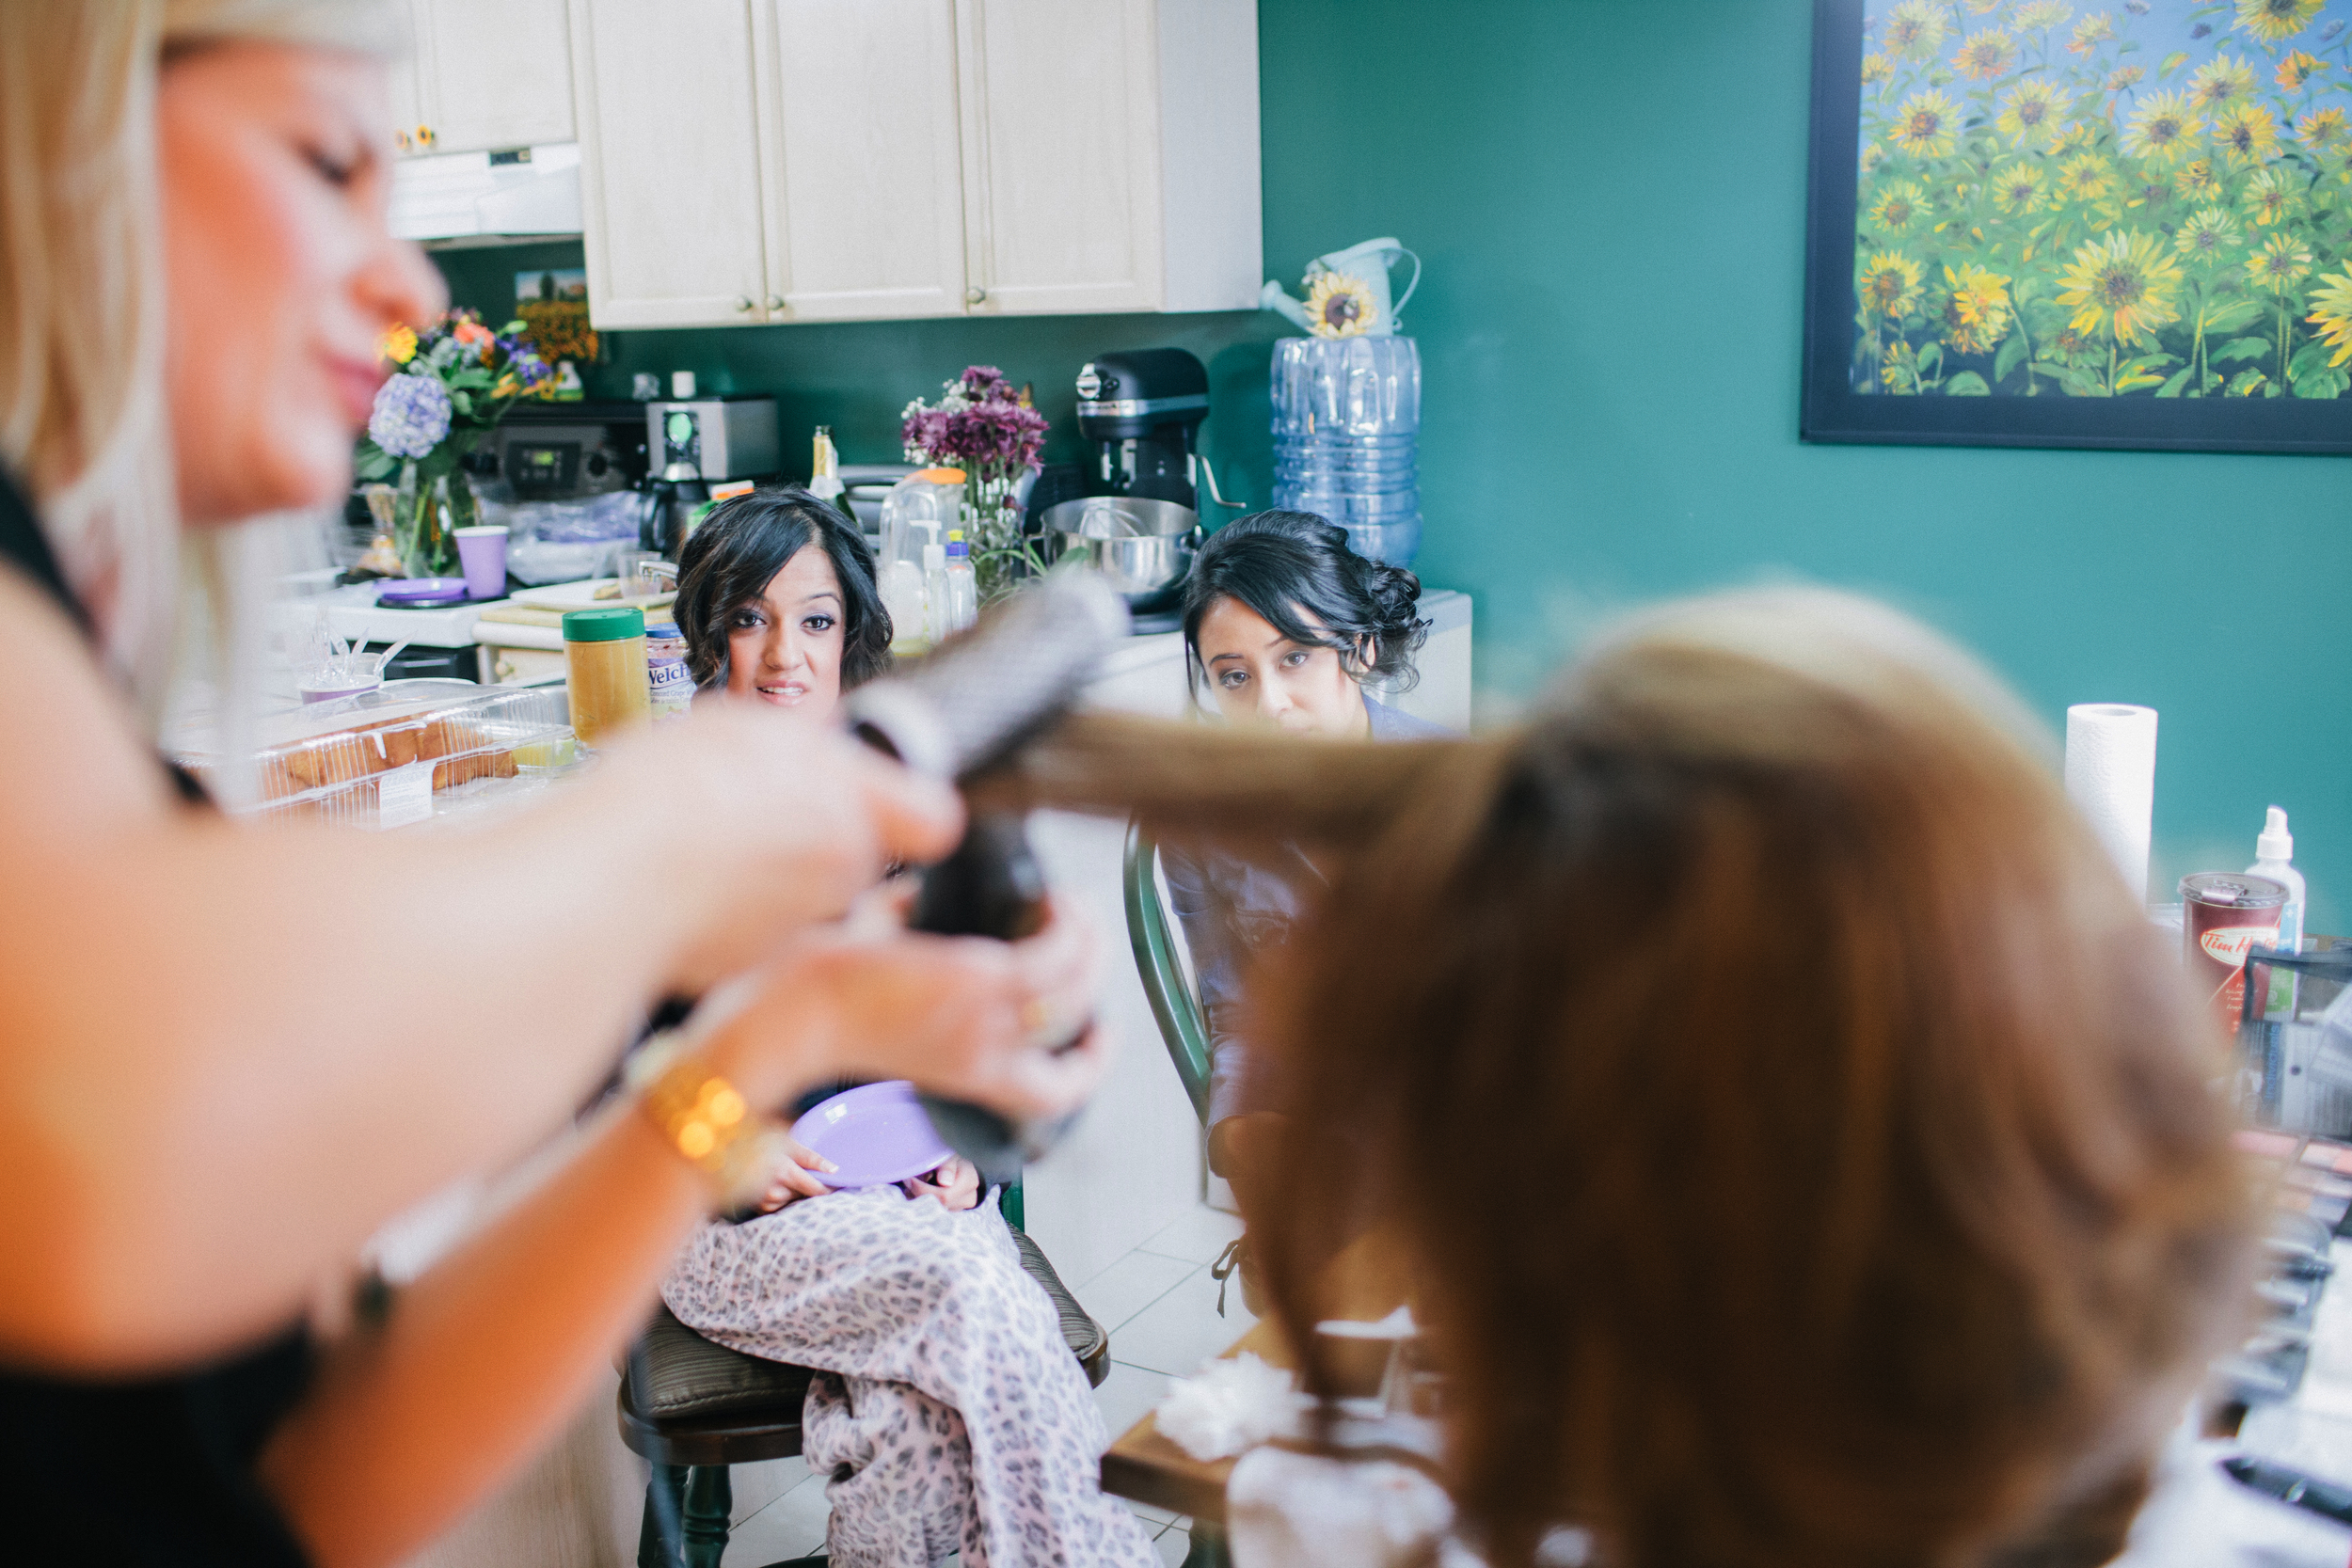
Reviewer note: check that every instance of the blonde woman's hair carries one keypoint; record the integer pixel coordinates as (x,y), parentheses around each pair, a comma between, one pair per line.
(82,420)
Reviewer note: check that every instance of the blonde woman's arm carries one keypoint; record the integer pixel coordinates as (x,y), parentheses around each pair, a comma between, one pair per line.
(230,1053)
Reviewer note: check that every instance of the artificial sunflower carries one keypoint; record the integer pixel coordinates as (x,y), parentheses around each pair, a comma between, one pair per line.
(1976,312)
(1925,125)
(2320,130)
(2039,16)
(2280,264)
(2246,133)
(2224,79)
(1985,55)
(2084,178)
(2276,21)
(1889,285)
(2090,32)
(2164,127)
(2271,196)
(2017,188)
(1902,205)
(2123,76)
(398,344)
(2297,69)
(2206,234)
(1916,28)
(2029,112)
(1338,306)
(2331,312)
(2121,285)
(2197,179)
(1876,69)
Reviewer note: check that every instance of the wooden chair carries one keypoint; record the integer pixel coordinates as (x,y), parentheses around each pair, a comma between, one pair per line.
(692,1408)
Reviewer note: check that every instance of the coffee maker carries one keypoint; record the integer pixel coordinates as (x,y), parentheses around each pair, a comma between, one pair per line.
(690,443)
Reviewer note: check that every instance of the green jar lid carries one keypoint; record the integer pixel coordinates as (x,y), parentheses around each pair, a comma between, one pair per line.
(615,625)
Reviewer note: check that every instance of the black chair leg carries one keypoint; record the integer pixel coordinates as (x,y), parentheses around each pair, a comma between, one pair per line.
(658,1531)
(1208,1549)
(709,1498)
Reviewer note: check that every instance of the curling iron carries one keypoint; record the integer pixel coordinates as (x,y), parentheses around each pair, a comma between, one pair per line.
(955,715)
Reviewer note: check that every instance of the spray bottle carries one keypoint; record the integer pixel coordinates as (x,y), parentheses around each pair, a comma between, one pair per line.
(2274,858)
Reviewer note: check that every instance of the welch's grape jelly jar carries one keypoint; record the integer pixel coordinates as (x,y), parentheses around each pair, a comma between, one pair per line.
(2223,915)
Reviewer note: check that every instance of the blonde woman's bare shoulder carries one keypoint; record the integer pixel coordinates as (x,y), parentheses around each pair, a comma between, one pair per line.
(71,757)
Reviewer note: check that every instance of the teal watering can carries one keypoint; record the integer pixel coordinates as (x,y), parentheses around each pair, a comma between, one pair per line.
(1349,291)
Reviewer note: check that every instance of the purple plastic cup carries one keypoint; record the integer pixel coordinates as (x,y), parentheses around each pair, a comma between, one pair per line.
(876,1133)
(481,552)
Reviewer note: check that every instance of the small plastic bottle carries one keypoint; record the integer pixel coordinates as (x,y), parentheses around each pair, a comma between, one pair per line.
(2274,858)
(963,589)
(935,623)
(824,478)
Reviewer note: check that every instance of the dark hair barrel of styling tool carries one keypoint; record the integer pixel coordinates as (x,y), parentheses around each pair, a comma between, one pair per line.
(963,710)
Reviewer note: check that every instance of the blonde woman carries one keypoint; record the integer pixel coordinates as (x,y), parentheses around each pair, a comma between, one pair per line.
(210,1090)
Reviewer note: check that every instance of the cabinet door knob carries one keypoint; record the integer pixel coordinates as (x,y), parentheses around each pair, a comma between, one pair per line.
(775,302)
(975,294)
(743,302)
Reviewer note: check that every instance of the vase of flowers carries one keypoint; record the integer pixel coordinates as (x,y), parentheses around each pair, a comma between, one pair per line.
(992,431)
(449,386)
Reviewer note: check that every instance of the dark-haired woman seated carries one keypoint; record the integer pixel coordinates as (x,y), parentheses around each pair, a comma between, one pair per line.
(1284,625)
(950,1414)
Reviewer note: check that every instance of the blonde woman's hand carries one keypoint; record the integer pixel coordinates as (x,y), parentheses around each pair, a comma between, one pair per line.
(765,823)
(1006,1025)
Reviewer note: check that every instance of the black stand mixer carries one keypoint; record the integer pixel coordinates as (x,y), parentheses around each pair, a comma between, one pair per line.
(1137,516)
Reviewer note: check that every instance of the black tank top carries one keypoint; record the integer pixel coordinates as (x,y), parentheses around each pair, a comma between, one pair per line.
(153,1472)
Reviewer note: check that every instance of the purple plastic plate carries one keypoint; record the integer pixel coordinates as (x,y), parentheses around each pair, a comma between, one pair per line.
(420,592)
(877,1133)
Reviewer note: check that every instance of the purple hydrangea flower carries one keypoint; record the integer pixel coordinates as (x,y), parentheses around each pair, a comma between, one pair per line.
(411,415)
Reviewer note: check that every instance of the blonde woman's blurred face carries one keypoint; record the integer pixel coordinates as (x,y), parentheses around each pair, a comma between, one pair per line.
(280,274)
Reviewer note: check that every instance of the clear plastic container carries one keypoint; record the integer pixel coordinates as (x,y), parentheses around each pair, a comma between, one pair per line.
(1348,508)
(1396,543)
(1346,386)
(403,754)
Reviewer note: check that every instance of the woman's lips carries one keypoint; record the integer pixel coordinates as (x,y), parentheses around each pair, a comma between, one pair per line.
(356,385)
(787,695)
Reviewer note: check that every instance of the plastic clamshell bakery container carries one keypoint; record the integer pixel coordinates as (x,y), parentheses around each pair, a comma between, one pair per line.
(390,758)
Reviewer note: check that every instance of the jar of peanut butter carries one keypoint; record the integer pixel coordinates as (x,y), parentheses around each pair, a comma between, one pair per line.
(604,649)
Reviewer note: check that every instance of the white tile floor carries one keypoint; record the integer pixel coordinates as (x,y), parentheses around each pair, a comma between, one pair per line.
(1160,1305)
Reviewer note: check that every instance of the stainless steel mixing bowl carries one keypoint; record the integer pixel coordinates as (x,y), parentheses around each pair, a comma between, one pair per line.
(1144,548)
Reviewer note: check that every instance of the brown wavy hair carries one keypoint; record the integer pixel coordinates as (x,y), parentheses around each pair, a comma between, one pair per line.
(1805,1148)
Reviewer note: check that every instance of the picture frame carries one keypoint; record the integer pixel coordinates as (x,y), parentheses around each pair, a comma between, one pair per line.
(1977,278)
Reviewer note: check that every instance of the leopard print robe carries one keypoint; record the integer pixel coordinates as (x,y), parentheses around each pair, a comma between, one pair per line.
(950,1414)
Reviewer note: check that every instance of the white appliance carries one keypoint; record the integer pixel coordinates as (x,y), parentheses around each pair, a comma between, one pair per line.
(522,190)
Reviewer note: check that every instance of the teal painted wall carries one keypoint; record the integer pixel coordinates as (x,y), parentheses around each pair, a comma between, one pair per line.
(1609,198)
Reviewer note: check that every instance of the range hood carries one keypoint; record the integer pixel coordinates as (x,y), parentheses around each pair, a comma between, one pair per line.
(485,198)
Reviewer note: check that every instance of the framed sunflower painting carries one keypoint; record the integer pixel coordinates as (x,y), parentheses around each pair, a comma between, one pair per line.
(2082,223)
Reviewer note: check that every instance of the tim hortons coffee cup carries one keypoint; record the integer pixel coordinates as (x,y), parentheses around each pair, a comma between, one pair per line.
(2224,915)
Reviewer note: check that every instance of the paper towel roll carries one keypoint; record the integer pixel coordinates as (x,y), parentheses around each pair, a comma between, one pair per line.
(2111,778)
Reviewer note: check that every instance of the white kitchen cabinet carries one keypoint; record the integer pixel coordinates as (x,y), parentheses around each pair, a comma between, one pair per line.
(864,217)
(484,74)
(670,185)
(885,159)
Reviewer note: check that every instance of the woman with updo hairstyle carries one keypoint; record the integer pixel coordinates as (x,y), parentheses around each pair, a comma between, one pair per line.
(1284,627)
(777,602)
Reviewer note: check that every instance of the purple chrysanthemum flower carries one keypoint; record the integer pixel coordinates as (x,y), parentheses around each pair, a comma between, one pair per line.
(411,415)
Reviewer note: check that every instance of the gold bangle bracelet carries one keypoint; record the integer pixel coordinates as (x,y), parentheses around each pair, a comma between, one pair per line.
(705,1118)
